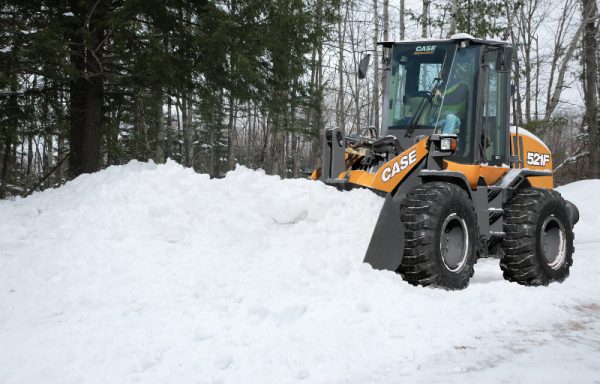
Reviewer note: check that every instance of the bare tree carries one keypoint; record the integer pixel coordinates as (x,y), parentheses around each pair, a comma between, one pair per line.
(590,48)
(386,20)
(231,133)
(425,18)
(511,11)
(557,69)
(376,65)
(188,131)
(157,111)
(529,17)
(402,21)
(453,18)
(340,115)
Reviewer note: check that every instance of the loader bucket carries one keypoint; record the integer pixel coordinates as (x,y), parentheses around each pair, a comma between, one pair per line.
(386,247)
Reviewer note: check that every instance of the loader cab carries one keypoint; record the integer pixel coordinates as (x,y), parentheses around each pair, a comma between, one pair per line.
(458,86)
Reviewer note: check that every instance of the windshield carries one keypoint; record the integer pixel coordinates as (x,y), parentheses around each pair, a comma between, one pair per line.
(432,90)
(415,70)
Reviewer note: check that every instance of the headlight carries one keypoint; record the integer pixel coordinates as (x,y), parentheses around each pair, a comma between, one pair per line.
(448,144)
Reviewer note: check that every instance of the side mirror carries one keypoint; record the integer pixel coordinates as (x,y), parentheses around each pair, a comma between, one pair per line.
(362,66)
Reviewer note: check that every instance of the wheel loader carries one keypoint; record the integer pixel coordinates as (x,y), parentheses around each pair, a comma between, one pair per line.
(460,183)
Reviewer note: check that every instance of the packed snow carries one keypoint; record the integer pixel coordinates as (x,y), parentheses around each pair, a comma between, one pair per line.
(149,273)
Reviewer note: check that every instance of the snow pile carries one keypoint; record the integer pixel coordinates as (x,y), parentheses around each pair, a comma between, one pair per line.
(586,195)
(155,274)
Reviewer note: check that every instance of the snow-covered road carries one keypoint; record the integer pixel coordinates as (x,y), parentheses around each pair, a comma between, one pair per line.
(155,274)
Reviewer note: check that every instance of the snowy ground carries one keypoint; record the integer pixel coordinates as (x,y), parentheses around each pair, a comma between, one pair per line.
(155,274)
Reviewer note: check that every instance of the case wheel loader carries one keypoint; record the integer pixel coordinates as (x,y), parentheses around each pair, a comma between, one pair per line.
(459,182)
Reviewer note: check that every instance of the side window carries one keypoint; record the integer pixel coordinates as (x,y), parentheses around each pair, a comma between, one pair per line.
(427,74)
(494,112)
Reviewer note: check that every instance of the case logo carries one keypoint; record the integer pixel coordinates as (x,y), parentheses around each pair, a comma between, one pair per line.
(399,165)
(537,159)
(425,48)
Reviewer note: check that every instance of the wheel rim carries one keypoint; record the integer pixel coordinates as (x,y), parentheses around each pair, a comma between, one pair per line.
(454,242)
(554,242)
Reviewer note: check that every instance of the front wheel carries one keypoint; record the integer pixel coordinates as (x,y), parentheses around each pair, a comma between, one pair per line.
(440,236)
(538,240)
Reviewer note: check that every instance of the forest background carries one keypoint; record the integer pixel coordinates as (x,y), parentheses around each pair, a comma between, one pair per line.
(85,84)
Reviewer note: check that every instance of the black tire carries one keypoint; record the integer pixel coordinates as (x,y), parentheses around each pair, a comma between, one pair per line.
(428,211)
(538,240)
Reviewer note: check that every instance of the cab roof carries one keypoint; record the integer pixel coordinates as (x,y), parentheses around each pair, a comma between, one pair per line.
(454,38)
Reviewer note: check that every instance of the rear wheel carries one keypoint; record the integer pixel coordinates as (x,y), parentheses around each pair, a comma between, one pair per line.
(538,240)
(440,236)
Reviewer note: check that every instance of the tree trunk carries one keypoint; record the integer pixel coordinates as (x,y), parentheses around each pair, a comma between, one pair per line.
(278,138)
(30,154)
(525,30)
(179,130)
(354,44)
(425,18)
(141,127)
(516,99)
(169,129)
(538,63)
(212,166)
(340,111)
(159,128)
(590,48)
(262,157)
(9,136)
(188,132)
(60,171)
(376,66)
(295,153)
(231,134)
(113,137)
(61,147)
(386,20)
(318,115)
(87,89)
(86,125)
(402,21)
(453,18)
(5,165)
(48,157)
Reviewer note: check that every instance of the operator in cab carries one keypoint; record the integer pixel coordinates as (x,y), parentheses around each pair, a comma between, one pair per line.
(453,97)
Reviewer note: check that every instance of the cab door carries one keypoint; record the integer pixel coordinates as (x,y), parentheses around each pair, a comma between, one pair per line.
(490,159)
(493,120)
(495,96)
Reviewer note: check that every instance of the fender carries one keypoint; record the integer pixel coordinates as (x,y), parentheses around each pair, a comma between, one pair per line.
(515,178)
(449,176)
